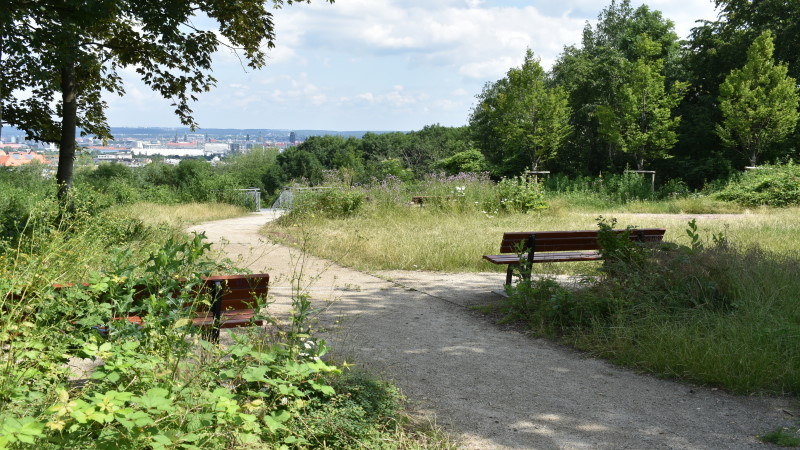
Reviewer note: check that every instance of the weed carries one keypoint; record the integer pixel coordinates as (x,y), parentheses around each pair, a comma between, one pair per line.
(782,437)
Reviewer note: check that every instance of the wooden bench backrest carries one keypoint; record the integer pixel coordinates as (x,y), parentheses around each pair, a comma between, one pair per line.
(562,241)
(238,291)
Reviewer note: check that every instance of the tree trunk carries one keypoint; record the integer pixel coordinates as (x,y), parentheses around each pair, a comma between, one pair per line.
(69,120)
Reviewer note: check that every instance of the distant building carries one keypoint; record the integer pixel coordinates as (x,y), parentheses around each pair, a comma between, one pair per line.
(16,159)
(12,146)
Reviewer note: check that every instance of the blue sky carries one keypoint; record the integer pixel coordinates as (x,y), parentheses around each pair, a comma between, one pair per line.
(383,64)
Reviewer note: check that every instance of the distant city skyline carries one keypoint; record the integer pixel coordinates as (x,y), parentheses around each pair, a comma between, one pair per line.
(382,64)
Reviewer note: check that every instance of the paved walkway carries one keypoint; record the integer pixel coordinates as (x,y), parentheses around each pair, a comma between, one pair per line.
(493,388)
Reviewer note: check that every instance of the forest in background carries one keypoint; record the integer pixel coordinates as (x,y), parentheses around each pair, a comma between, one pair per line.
(630,95)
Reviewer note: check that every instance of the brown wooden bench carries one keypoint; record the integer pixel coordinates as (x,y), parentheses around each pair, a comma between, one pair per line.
(558,246)
(233,302)
(235,299)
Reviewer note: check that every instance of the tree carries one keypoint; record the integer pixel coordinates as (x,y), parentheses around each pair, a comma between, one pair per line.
(758,102)
(59,56)
(642,124)
(595,74)
(530,119)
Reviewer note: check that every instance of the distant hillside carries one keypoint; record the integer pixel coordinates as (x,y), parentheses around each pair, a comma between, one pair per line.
(281,134)
(167,132)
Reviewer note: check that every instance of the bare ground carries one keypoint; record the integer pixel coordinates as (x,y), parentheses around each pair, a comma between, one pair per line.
(494,387)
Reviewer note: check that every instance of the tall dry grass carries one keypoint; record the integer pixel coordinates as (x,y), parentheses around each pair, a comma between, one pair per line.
(412,238)
(180,215)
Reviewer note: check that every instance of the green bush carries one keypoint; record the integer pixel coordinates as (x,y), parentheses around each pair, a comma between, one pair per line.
(467,161)
(709,312)
(519,194)
(330,203)
(149,388)
(771,185)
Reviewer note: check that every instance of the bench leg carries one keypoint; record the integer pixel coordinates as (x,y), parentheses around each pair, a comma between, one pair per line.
(509,272)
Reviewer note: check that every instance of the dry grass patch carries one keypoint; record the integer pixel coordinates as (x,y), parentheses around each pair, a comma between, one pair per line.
(181,215)
(409,238)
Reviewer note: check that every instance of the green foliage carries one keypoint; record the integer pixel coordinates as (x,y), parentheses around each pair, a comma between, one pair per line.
(160,384)
(519,194)
(782,437)
(640,120)
(617,188)
(604,75)
(709,312)
(467,161)
(530,120)
(331,203)
(619,252)
(771,185)
(250,169)
(758,102)
(548,307)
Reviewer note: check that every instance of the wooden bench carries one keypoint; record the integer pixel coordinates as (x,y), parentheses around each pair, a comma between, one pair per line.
(235,298)
(558,246)
(233,302)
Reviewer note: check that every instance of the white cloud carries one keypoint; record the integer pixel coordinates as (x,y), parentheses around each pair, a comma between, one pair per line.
(386,64)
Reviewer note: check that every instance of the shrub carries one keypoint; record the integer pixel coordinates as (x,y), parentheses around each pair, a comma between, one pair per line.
(519,194)
(331,203)
(710,312)
(775,185)
(152,390)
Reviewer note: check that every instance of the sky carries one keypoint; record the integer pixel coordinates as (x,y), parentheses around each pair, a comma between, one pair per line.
(382,65)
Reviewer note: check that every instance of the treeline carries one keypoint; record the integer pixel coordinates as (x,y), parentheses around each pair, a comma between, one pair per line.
(631,95)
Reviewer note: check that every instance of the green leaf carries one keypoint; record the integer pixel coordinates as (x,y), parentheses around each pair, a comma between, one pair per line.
(255,374)
(155,398)
(181,323)
(135,419)
(323,388)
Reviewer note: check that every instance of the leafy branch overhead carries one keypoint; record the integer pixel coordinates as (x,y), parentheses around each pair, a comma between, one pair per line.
(59,56)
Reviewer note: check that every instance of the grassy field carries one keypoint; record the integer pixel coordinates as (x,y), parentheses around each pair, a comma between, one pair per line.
(413,238)
(723,312)
(182,214)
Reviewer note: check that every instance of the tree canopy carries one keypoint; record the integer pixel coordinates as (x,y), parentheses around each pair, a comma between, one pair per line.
(758,102)
(60,56)
(529,119)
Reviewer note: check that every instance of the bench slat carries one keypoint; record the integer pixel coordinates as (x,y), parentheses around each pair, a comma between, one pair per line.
(547,241)
(587,255)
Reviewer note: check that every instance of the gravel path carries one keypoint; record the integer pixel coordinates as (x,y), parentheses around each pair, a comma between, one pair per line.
(495,388)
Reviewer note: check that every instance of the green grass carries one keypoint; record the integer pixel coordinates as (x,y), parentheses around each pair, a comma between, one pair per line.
(782,437)
(413,238)
(182,214)
(669,324)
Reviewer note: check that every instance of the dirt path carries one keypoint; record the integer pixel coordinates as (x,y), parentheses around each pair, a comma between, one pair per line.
(496,388)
